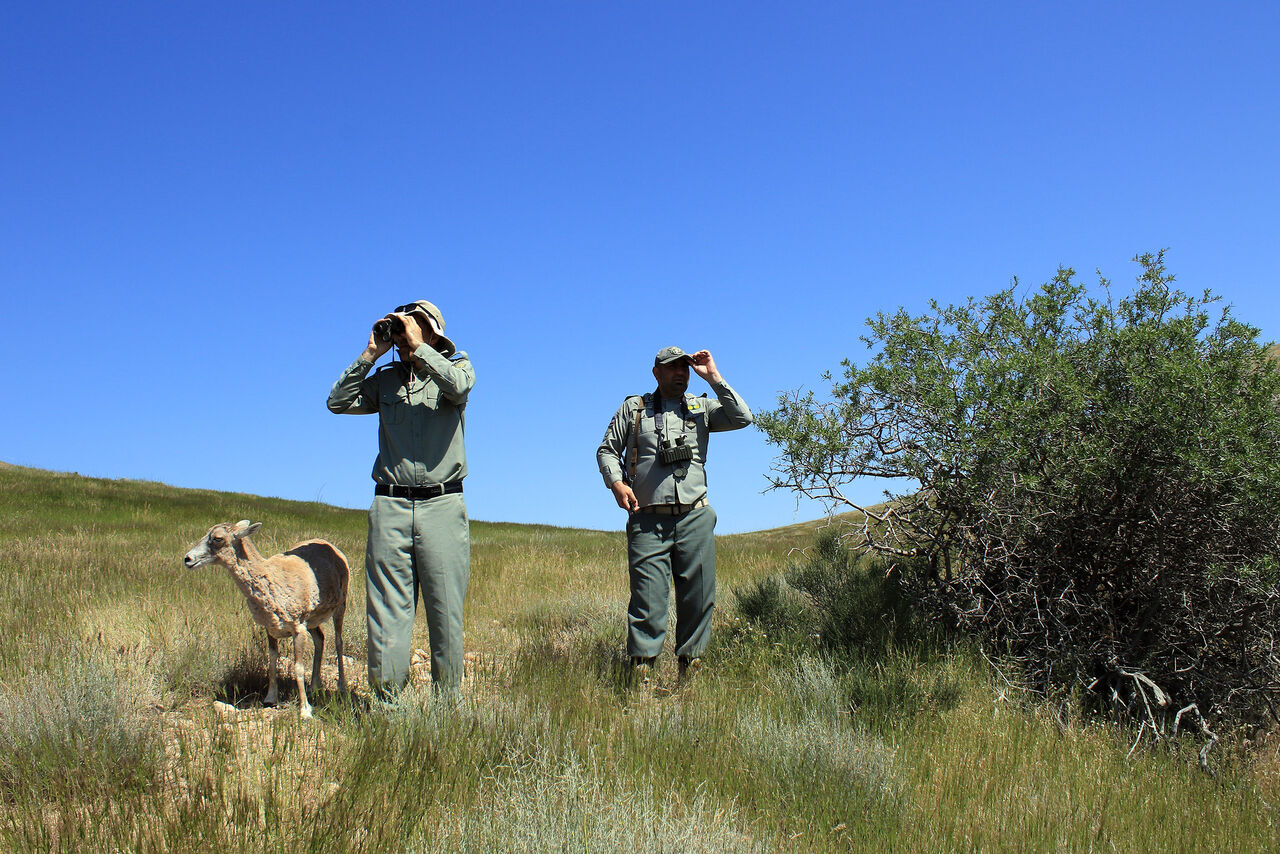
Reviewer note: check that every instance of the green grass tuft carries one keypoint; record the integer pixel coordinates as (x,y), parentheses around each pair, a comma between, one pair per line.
(74,731)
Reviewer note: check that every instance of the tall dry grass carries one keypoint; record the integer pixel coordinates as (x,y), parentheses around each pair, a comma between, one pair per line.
(113,658)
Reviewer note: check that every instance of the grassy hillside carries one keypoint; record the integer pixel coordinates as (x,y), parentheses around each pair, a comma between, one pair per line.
(130,715)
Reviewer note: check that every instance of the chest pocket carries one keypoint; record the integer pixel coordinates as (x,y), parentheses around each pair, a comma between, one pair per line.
(648,423)
(690,423)
(649,426)
(393,404)
(396,400)
(692,420)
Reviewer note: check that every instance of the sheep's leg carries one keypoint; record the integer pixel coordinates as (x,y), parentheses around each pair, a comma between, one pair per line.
(273,656)
(300,674)
(317,639)
(337,646)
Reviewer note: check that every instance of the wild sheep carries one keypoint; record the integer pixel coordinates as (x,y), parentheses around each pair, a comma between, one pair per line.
(286,593)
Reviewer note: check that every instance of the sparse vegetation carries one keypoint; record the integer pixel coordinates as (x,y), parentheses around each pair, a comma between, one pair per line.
(784,742)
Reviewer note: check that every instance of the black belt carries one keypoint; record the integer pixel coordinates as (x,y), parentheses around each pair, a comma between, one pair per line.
(418,493)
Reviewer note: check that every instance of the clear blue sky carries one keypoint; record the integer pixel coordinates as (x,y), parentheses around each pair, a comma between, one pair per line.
(205,206)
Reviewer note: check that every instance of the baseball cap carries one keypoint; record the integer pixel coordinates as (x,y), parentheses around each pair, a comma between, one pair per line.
(668,355)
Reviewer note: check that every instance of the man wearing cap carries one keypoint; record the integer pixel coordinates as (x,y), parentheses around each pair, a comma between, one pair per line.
(652,459)
(419,536)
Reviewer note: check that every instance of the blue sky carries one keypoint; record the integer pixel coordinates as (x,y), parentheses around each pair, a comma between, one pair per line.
(207,205)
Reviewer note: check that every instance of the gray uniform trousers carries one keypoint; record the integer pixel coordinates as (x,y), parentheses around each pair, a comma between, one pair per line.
(660,548)
(416,546)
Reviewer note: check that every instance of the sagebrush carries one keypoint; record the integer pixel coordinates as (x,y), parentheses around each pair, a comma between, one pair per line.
(1089,482)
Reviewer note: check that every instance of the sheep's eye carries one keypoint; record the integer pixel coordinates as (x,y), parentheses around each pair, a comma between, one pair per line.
(217,541)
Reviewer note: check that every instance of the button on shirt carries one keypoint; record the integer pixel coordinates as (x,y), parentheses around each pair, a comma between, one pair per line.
(656,482)
(421,415)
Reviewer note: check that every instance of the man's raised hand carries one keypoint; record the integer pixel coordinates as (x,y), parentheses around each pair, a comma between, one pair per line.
(705,366)
(377,347)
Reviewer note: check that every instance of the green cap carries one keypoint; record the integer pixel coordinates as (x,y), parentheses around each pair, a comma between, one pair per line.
(668,355)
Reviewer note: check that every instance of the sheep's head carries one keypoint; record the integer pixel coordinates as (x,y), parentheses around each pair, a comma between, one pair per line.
(219,545)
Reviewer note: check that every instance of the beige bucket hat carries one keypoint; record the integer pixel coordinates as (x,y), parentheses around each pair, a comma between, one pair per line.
(427,311)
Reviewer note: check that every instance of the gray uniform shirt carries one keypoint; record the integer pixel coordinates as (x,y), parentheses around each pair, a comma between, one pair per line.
(656,483)
(421,415)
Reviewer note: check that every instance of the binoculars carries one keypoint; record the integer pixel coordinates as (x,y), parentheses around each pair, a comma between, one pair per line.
(388,326)
(671,454)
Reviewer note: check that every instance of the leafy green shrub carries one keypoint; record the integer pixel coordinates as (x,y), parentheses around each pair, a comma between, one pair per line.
(859,599)
(1090,485)
(849,603)
(775,607)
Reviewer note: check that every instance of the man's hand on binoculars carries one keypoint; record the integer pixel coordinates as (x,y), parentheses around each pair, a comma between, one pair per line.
(416,333)
(377,347)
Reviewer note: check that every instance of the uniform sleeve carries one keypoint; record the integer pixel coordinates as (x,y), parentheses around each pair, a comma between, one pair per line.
(455,377)
(354,393)
(614,445)
(728,412)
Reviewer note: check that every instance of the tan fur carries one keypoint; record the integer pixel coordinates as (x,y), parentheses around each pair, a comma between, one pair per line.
(288,594)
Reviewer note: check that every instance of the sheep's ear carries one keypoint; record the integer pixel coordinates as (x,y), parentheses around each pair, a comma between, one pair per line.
(244,528)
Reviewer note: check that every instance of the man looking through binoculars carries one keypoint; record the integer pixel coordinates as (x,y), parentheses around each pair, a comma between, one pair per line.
(419,534)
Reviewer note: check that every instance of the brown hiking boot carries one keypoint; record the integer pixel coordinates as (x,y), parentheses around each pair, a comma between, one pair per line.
(688,667)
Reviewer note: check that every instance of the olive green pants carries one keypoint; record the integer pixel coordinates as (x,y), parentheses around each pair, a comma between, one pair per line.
(416,546)
(659,549)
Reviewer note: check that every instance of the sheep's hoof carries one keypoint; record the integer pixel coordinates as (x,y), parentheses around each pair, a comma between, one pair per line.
(305,712)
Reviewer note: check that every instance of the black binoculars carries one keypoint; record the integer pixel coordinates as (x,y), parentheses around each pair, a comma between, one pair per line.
(670,454)
(388,326)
